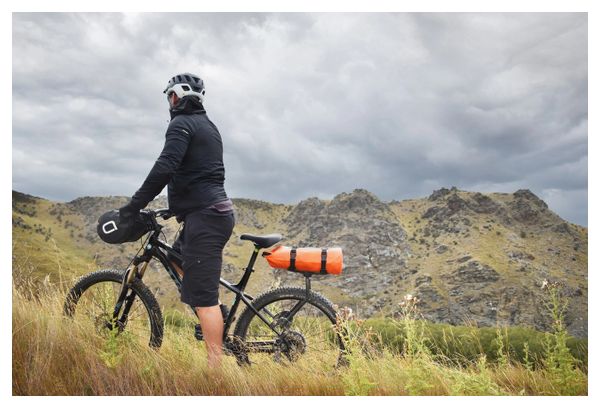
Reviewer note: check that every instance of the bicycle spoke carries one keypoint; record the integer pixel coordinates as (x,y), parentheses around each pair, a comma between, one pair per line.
(136,309)
(96,306)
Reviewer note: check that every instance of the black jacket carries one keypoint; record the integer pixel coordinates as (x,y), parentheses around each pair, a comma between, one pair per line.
(191,162)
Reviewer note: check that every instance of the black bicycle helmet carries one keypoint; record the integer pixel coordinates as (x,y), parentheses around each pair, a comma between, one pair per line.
(186,84)
(111,230)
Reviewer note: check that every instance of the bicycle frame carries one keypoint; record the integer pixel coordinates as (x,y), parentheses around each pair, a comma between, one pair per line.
(157,249)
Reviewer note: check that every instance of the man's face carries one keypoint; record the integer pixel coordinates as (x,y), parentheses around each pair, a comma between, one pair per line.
(172,98)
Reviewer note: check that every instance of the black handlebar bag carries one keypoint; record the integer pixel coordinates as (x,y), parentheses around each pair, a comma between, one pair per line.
(112,230)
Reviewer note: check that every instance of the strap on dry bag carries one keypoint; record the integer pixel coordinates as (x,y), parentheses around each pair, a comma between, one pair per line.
(292,259)
(324,260)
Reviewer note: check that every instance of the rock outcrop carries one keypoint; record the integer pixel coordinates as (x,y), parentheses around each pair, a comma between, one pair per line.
(373,241)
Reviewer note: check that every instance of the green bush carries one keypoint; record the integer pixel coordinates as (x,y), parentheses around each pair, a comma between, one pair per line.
(465,345)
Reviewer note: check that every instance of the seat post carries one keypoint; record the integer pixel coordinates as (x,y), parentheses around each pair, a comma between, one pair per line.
(249,269)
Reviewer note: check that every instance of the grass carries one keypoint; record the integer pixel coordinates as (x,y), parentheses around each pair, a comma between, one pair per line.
(53,355)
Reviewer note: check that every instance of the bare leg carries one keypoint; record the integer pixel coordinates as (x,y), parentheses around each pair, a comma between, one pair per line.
(211,321)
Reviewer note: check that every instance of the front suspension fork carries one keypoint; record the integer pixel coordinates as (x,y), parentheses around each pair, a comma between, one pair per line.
(125,301)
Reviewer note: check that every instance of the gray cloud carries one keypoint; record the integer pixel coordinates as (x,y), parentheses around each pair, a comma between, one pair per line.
(309,104)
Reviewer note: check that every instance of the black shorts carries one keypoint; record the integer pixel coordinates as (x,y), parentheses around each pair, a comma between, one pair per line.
(201,242)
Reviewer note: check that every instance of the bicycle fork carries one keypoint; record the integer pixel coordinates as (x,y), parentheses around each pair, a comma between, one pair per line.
(125,300)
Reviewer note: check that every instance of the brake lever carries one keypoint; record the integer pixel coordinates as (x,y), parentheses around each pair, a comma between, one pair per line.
(162,213)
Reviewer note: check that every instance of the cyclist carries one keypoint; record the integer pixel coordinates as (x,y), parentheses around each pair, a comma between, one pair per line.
(191,163)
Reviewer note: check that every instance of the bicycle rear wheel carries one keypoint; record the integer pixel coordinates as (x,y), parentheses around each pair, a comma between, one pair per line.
(309,334)
(92,301)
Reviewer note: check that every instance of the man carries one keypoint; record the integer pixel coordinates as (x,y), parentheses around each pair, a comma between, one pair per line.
(191,163)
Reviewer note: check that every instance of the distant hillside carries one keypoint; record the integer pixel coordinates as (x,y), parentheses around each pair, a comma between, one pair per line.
(469,257)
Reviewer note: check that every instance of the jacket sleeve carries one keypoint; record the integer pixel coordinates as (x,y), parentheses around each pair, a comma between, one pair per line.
(176,143)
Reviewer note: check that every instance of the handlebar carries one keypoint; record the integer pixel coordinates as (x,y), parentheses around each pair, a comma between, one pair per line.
(164,213)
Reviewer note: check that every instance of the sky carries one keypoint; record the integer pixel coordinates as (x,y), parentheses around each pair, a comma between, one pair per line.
(307,104)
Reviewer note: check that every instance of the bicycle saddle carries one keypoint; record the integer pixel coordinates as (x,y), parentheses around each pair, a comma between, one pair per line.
(262,241)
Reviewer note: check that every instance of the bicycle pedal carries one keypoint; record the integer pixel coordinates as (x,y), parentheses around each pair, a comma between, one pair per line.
(198,333)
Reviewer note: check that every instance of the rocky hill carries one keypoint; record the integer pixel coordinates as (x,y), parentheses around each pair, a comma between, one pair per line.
(469,257)
(484,258)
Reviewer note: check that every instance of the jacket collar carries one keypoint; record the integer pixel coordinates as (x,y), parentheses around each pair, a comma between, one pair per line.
(186,106)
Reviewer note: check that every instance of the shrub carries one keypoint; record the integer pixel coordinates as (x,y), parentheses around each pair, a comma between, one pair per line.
(465,345)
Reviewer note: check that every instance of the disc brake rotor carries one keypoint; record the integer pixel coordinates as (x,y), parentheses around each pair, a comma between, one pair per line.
(291,344)
(103,322)
(281,320)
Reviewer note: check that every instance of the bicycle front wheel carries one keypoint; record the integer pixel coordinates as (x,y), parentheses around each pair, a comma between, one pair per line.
(304,327)
(93,300)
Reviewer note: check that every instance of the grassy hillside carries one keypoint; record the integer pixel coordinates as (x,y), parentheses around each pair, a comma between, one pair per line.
(42,247)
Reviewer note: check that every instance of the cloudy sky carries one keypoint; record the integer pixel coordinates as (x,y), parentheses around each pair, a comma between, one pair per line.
(309,104)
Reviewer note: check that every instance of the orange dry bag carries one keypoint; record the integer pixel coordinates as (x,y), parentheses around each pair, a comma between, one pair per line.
(318,260)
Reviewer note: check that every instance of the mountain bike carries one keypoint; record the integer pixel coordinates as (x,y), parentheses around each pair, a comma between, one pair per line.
(286,322)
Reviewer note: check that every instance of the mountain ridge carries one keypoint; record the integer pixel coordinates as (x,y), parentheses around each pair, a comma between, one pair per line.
(468,256)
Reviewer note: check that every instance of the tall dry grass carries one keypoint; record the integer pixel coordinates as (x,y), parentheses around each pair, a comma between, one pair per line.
(53,355)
